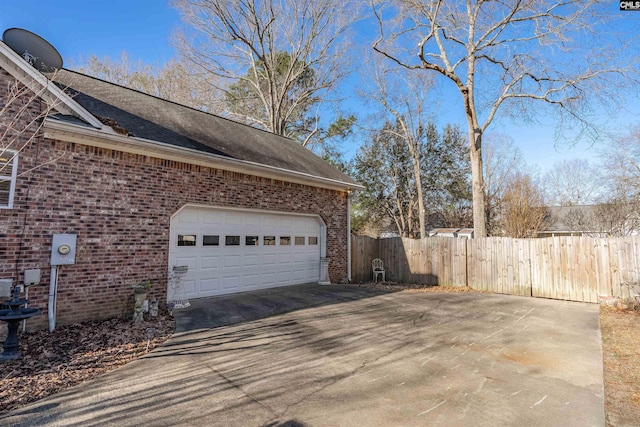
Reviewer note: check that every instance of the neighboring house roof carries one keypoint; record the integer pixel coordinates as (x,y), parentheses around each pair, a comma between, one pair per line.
(136,114)
(452,232)
(558,216)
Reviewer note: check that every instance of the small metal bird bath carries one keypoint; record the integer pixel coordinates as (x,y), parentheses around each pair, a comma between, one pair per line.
(13,316)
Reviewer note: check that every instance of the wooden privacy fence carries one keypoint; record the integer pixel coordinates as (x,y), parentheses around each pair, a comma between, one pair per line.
(567,268)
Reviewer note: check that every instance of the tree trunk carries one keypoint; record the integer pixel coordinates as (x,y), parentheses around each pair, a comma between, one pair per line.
(475,151)
(477,180)
(418,178)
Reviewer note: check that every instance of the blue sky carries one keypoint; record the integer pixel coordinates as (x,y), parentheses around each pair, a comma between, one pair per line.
(142,28)
(97,27)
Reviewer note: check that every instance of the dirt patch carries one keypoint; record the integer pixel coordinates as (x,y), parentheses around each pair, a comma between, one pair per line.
(621,356)
(528,358)
(73,354)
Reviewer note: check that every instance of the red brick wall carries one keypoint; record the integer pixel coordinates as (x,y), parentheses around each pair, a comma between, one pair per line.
(120,205)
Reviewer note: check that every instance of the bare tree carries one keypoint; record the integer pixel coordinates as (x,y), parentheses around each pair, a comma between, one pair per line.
(618,217)
(403,96)
(619,214)
(572,182)
(173,80)
(524,213)
(503,161)
(505,54)
(282,57)
(22,114)
(621,165)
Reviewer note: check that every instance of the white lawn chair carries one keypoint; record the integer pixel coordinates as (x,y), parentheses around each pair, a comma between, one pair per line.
(378,268)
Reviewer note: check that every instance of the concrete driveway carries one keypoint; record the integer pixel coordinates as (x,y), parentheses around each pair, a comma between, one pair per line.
(342,356)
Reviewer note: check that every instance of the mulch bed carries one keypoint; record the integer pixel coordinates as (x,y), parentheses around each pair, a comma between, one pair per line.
(72,354)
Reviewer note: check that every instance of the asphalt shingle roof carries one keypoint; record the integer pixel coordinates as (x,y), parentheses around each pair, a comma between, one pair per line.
(156,119)
(559,215)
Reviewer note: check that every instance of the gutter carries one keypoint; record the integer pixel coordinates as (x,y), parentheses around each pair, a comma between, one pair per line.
(68,132)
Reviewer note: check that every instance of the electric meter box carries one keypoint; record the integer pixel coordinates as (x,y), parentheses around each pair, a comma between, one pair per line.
(63,249)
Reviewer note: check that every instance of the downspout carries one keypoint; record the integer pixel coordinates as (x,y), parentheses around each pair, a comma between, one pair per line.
(349,235)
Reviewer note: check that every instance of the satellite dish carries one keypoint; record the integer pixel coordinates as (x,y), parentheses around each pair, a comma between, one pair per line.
(34,49)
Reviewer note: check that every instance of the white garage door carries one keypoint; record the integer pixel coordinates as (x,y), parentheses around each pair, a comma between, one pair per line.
(230,251)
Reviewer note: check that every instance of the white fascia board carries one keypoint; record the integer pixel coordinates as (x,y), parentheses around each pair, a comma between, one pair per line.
(55,129)
(41,85)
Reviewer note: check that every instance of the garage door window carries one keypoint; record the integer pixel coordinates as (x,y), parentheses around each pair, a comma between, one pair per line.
(269,240)
(210,240)
(285,240)
(299,240)
(186,239)
(313,240)
(251,241)
(232,240)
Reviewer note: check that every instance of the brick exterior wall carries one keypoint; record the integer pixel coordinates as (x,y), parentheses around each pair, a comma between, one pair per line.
(120,206)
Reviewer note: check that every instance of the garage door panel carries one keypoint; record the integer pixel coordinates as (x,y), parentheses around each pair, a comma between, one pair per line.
(231,261)
(209,262)
(268,259)
(188,217)
(231,282)
(251,280)
(252,221)
(252,260)
(299,257)
(209,285)
(212,217)
(189,286)
(284,223)
(233,219)
(269,222)
(216,270)
(269,278)
(269,269)
(284,258)
(299,274)
(284,276)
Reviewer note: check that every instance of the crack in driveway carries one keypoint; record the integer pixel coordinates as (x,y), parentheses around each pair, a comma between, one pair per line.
(238,387)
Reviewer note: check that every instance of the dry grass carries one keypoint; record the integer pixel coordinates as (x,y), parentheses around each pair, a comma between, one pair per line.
(404,287)
(621,356)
